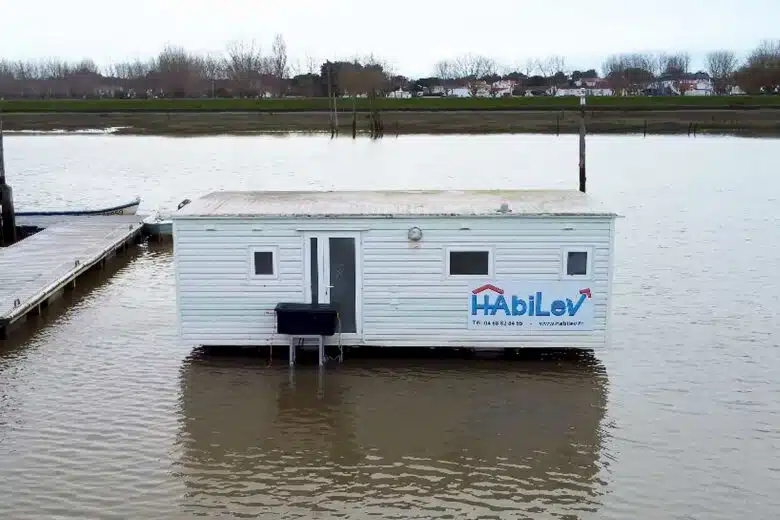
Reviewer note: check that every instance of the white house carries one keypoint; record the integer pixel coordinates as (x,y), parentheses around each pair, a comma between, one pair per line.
(399,94)
(698,87)
(464,92)
(582,92)
(735,90)
(474,269)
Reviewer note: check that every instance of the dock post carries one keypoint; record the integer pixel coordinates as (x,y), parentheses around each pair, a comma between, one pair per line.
(8,218)
(582,144)
(8,215)
(321,351)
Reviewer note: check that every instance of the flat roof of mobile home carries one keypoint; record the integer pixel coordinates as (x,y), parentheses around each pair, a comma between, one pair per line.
(442,203)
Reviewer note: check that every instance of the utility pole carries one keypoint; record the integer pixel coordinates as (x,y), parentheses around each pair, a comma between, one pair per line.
(582,144)
(7,213)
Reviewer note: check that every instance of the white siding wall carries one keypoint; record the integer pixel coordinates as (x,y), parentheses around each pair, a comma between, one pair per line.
(407,299)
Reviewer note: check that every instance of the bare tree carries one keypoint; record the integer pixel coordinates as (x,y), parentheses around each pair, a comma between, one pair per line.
(49,77)
(550,67)
(673,66)
(614,71)
(630,72)
(178,72)
(472,69)
(84,78)
(26,75)
(132,76)
(244,66)
(362,76)
(279,65)
(349,81)
(247,72)
(307,66)
(639,60)
(766,54)
(86,66)
(311,65)
(305,76)
(376,74)
(445,71)
(213,70)
(721,66)
(50,74)
(761,72)
(8,82)
(52,68)
(130,69)
(531,67)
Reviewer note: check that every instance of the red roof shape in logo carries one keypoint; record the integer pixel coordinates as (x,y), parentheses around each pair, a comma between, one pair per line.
(586,292)
(488,287)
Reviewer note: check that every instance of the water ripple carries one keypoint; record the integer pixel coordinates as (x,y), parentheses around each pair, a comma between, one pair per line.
(104,415)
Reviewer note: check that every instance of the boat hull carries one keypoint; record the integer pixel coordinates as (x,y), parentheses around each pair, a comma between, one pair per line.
(159,228)
(129,208)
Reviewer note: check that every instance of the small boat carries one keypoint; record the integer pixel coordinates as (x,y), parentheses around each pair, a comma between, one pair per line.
(128,208)
(160,224)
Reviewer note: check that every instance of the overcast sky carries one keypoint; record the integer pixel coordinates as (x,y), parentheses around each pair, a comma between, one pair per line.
(410,34)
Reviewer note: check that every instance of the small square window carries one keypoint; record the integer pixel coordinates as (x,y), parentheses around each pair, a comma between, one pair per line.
(263,263)
(576,263)
(469,263)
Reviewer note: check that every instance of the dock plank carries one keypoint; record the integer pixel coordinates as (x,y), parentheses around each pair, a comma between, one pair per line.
(46,221)
(35,268)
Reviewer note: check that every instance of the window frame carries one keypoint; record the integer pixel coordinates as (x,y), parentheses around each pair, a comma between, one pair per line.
(469,249)
(274,262)
(588,250)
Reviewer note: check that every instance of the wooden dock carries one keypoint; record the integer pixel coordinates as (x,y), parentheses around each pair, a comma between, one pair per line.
(39,267)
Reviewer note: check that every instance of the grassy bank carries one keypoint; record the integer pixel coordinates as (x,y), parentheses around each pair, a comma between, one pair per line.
(639,103)
(745,115)
(759,122)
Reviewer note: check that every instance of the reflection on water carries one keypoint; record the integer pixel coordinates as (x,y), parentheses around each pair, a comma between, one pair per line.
(87,398)
(104,414)
(457,438)
(60,307)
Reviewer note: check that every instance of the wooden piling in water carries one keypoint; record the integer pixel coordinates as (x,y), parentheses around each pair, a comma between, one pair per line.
(7,211)
(8,216)
(335,115)
(332,104)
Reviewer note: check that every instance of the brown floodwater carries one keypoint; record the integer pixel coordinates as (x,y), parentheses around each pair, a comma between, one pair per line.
(104,414)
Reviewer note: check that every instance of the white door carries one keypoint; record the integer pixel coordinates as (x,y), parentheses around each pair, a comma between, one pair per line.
(333,275)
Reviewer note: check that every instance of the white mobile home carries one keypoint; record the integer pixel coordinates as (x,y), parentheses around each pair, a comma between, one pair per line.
(475,269)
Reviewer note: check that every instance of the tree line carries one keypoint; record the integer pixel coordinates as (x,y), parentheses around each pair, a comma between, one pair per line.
(244,70)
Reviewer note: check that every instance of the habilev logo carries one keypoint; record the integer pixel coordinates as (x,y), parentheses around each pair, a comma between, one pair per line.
(533,305)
